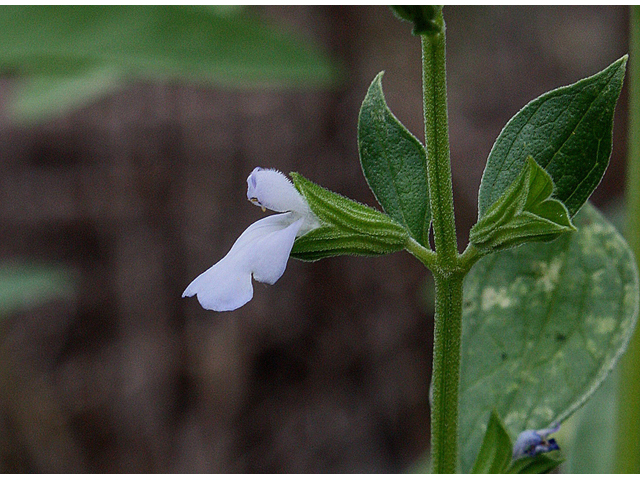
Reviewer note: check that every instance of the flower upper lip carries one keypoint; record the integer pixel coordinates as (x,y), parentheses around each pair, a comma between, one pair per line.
(263,249)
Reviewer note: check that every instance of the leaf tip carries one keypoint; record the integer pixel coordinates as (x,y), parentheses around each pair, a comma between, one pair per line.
(377,81)
(621,64)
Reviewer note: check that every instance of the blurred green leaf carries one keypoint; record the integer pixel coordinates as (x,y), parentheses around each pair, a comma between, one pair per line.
(23,285)
(543,325)
(421,466)
(41,96)
(227,47)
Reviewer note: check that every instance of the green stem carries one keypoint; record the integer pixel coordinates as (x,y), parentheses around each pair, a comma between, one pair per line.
(627,450)
(446,373)
(447,274)
(434,92)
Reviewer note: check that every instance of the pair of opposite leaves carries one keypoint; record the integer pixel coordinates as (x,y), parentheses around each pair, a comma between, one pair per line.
(515,199)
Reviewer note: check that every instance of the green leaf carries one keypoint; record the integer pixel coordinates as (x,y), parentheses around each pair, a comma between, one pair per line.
(348,227)
(524,213)
(543,463)
(394,163)
(41,96)
(543,324)
(496,450)
(569,133)
(591,448)
(224,46)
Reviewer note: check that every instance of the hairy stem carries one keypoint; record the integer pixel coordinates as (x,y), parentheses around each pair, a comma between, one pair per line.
(446,373)
(437,142)
(448,277)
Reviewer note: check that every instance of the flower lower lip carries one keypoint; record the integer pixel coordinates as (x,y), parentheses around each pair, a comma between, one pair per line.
(261,252)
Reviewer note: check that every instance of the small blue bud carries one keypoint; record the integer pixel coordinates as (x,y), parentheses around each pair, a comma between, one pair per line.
(532,442)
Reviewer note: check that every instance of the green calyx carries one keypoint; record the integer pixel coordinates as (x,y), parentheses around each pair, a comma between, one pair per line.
(347,227)
(525,212)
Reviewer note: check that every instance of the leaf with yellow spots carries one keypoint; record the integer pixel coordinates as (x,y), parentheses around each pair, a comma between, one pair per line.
(543,325)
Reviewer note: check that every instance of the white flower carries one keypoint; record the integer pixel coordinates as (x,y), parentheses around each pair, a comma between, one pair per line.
(262,250)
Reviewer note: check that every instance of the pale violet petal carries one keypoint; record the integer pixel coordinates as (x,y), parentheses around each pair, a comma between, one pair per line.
(270,254)
(525,441)
(271,189)
(225,286)
(532,442)
(263,247)
(261,229)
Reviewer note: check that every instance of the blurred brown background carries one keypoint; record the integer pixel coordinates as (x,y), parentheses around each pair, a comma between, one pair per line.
(326,371)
